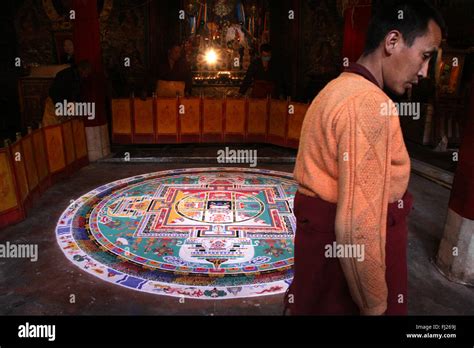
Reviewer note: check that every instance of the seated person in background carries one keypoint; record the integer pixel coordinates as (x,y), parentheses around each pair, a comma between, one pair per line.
(68,56)
(175,68)
(264,76)
(66,86)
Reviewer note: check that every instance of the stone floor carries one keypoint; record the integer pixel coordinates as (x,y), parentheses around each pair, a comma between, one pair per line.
(427,154)
(198,151)
(45,286)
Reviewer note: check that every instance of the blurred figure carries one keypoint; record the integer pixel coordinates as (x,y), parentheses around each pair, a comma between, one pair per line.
(68,56)
(66,86)
(264,76)
(175,68)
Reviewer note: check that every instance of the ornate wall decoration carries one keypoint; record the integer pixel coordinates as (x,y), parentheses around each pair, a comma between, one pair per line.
(58,12)
(33,29)
(36,21)
(342,5)
(322,30)
(123,36)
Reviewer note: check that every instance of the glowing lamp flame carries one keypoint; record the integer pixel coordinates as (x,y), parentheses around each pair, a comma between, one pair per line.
(211,57)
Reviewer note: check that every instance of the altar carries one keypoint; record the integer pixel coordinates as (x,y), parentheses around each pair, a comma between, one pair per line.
(217,84)
(220,39)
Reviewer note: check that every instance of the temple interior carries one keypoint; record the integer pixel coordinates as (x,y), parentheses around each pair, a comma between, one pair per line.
(168,190)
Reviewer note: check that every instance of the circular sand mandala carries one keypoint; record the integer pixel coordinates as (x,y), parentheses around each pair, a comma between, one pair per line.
(197,233)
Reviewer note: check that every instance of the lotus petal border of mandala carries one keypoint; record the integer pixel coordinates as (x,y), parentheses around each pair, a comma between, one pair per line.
(66,241)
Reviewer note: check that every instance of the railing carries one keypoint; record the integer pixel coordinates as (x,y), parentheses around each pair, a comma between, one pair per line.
(36,161)
(200,120)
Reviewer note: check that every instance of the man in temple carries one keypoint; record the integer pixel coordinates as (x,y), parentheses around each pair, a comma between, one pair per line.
(353,169)
(68,56)
(66,86)
(175,68)
(264,76)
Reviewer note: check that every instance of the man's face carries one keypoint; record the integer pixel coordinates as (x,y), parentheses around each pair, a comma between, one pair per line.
(405,65)
(266,56)
(68,47)
(175,53)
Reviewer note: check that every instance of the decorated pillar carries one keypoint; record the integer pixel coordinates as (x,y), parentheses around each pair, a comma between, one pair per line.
(87,46)
(456,251)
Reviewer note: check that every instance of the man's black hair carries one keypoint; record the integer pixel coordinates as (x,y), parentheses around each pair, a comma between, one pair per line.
(265,48)
(409,17)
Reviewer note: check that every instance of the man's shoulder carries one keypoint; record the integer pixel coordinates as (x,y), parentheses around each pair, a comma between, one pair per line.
(348,86)
(347,91)
(69,72)
(352,83)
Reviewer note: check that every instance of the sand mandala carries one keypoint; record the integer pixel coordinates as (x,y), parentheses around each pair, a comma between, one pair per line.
(205,233)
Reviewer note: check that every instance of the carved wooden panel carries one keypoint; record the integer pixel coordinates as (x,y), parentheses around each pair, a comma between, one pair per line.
(40,154)
(8,197)
(143,116)
(257,116)
(166,116)
(121,116)
(55,148)
(29,158)
(235,116)
(278,111)
(212,114)
(68,142)
(20,170)
(190,116)
(79,135)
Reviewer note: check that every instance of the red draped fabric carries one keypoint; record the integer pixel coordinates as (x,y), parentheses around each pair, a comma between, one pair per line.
(87,46)
(356,22)
(462,193)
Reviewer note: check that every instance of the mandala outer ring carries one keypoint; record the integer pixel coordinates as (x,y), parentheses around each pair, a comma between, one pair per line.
(67,243)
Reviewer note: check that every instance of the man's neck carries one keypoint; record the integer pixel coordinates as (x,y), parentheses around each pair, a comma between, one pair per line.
(373,65)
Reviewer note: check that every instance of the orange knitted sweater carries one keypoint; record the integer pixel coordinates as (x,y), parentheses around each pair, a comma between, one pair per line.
(351,154)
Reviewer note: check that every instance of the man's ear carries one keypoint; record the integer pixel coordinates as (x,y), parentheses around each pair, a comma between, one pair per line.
(392,41)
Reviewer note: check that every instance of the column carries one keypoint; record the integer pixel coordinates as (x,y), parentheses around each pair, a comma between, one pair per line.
(87,46)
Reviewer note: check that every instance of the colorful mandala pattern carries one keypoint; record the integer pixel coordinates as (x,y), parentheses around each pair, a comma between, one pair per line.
(206,233)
